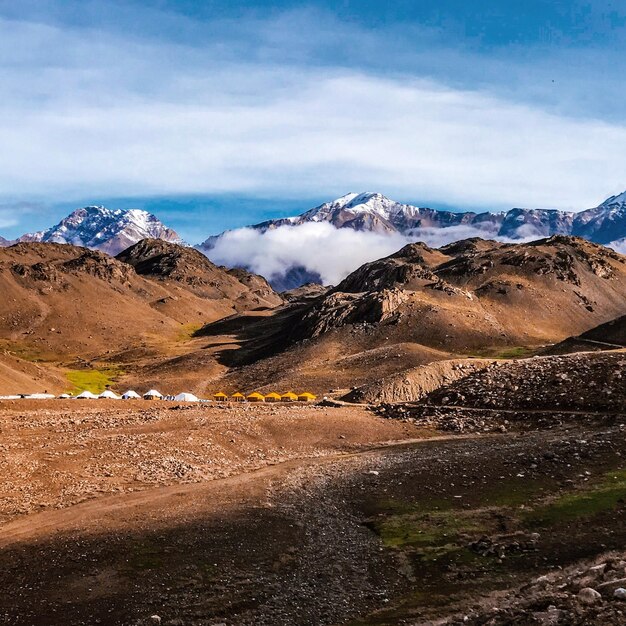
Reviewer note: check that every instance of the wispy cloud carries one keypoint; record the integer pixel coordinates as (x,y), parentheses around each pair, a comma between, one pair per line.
(255,108)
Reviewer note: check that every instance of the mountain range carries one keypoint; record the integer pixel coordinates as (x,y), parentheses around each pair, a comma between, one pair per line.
(112,231)
(374,212)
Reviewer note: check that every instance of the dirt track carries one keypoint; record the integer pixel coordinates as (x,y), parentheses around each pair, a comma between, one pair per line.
(319,540)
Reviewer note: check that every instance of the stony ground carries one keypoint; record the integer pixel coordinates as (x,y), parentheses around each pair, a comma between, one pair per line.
(55,454)
(421,532)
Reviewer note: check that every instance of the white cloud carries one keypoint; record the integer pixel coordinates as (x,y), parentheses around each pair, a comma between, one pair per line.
(90,115)
(619,245)
(323,249)
(319,247)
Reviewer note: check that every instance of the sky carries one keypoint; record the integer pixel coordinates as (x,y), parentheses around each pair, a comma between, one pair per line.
(218,114)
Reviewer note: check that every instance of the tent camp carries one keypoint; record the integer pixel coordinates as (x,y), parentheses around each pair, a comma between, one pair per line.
(290,396)
(238,397)
(130,395)
(86,395)
(107,394)
(220,396)
(256,397)
(153,394)
(306,397)
(272,397)
(186,397)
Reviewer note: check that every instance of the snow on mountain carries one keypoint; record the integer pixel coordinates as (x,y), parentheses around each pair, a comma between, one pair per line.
(376,214)
(104,229)
(605,223)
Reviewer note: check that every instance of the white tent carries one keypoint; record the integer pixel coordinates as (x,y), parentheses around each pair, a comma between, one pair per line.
(153,394)
(86,395)
(64,396)
(130,395)
(186,397)
(109,395)
(40,396)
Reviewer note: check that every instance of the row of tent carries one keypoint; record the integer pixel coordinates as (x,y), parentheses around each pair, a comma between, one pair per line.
(153,394)
(269,397)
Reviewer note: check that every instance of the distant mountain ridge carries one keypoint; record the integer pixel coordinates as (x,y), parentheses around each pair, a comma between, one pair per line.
(103,229)
(113,231)
(374,212)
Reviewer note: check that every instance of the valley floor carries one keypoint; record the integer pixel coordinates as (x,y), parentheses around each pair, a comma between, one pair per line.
(283,516)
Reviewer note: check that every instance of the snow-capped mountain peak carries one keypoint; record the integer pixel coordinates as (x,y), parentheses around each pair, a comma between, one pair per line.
(361,211)
(613,200)
(105,229)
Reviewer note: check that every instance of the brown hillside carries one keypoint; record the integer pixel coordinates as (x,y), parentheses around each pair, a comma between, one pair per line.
(471,298)
(158,259)
(479,294)
(61,303)
(609,336)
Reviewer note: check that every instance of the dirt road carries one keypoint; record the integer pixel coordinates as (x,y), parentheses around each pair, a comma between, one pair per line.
(384,536)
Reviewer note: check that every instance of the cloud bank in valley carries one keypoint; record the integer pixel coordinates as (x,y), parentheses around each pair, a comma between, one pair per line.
(322,249)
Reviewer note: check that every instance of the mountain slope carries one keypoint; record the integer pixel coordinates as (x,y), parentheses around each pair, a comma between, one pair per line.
(62,303)
(99,228)
(165,261)
(421,305)
(524,292)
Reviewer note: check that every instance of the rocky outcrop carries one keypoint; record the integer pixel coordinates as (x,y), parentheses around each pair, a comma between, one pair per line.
(580,382)
(339,309)
(415,383)
(162,260)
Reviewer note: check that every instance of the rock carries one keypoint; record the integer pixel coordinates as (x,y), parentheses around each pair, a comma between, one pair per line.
(549,617)
(608,587)
(589,596)
(620,593)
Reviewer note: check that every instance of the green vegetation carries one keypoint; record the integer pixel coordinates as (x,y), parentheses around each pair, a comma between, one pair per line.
(599,498)
(187,332)
(499,352)
(28,353)
(94,380)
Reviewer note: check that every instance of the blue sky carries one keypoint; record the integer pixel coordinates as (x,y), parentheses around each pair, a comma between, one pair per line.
(218,114)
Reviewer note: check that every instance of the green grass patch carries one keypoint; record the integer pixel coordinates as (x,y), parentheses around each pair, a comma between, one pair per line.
(507,352)
(29,353)
(435,529)
(94,380)
(187,332)
(593,500)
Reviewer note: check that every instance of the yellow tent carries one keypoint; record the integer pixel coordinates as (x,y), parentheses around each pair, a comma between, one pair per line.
(290,396)
(272,397)
(256,397)
(306,397)
(220,396)
(238,397)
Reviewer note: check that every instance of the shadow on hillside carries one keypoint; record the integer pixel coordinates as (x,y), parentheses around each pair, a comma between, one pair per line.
(259,335)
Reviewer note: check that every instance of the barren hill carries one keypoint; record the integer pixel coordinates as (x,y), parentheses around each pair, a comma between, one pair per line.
(62,303)
(420,305)
(608,336)
(477,293)
(158,259)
